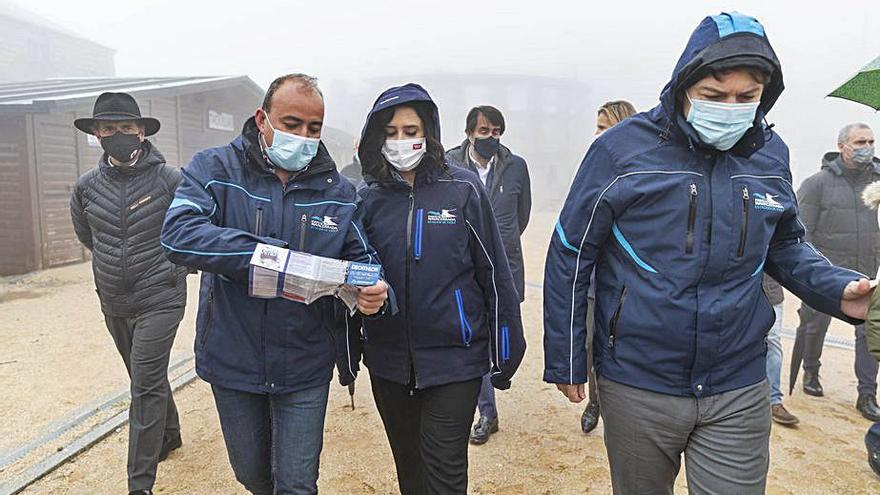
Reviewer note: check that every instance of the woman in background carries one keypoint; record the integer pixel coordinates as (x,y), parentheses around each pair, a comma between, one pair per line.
(609,115)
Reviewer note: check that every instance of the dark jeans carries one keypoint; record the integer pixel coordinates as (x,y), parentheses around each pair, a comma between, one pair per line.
(428,432)
(486,404)
(274,441)
(814,326)
(144,342)
(486,401)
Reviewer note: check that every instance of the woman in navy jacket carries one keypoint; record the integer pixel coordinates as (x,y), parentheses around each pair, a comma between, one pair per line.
(433,227)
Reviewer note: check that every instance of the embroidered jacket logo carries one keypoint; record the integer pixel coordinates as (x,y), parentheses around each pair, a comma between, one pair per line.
(767,202)
(324,223)
(446,217)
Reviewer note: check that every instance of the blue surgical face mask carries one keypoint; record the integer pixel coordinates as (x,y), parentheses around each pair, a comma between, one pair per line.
(721,125)
(289,151)
(863,155)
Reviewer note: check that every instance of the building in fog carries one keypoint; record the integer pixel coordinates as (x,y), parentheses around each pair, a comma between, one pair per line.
(548,120)
(42,154)
(32,48)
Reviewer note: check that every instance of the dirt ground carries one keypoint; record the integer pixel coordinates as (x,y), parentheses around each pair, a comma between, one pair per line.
(56,356)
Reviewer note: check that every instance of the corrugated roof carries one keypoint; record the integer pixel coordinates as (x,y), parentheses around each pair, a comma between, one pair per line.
(50,94)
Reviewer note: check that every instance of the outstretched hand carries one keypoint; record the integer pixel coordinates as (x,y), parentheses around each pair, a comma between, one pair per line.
(857,297)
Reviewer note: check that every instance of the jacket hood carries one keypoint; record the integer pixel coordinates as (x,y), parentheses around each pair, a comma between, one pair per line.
(832,162)
(725,40)
(399,95)
(393,97)
(871,194)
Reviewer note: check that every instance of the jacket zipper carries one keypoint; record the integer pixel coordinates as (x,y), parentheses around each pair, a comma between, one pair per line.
(614,319)
(302,232)
(209,316)
(409,258)
(258,230)
(466,333)
(745,223)
(692,218)
(124,210)
(417,249)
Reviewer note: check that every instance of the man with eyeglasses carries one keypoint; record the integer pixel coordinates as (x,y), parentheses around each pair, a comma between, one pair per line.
(118,209)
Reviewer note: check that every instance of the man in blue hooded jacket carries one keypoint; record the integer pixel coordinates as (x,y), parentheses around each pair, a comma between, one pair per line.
(269,361)
(680,210)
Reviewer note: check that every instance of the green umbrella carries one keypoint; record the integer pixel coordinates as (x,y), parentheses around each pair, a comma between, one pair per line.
(863,87)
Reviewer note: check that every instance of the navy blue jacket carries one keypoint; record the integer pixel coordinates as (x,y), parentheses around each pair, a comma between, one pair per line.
(230,200)
(445,260)
(509,191)
(680,234)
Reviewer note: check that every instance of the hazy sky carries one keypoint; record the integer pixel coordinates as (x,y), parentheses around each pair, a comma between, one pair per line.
(620,49)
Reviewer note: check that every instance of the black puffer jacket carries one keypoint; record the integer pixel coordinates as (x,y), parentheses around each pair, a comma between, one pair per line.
(118,214)
(511,197)
(838,222)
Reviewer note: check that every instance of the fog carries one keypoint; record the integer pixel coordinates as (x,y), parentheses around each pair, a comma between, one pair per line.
(593,51)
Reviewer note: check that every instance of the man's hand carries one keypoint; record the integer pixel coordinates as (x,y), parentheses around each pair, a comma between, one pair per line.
(370,299)
(857,297)
(575,392)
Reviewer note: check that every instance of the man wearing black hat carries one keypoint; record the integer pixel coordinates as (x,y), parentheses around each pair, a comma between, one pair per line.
(118,209)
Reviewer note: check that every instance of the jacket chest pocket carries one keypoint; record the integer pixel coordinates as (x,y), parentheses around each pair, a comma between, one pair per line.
(757,206)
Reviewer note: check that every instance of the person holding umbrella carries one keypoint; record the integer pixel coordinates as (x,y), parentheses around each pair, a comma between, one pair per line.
(845,230)
(864,88)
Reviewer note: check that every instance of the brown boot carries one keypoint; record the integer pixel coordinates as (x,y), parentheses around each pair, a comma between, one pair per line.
(782,416)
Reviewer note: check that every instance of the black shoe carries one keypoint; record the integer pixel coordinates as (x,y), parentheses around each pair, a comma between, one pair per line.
(812,385)
(590,418)
(874,461)
(867,405)
(483,429)
(140,492)
(169,445)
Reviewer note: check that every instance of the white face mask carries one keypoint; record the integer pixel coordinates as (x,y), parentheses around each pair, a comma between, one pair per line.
(404,154)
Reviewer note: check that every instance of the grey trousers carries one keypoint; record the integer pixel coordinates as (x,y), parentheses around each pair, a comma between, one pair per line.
(725,439)
(144,342)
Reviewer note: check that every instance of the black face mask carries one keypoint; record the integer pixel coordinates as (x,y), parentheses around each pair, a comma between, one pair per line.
(487,147)
(122,147)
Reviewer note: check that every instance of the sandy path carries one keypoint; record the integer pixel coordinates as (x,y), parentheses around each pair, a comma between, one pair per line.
(539,450)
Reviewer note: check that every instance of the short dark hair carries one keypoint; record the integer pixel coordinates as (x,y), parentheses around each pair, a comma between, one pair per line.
(492,114)
(307,82)
(759,75)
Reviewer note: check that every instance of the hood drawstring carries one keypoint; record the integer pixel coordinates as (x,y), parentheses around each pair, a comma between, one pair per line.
(769,127)
(664,134)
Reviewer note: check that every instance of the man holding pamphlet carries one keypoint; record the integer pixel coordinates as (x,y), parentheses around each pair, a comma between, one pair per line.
(268,359)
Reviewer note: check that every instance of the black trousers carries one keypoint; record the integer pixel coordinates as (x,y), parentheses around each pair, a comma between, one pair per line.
(428,432)
(144,342)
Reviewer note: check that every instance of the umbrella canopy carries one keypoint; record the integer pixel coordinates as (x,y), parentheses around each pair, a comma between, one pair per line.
(863,87)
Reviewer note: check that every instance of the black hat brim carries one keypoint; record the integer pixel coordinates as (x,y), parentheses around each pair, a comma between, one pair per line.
(87,125)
